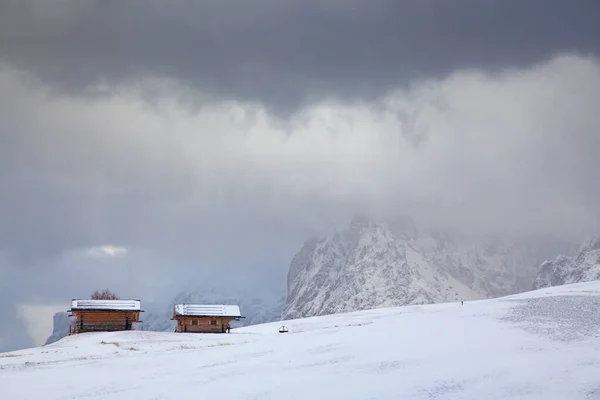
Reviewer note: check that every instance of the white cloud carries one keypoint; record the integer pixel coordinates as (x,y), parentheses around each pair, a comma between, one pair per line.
(514,152)
(107,251)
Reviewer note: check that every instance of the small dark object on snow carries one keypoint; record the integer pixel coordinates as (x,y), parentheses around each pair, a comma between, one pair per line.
(461,302)
(283,329)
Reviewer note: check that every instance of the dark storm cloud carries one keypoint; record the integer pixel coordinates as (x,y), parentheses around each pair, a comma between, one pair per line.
(284,53)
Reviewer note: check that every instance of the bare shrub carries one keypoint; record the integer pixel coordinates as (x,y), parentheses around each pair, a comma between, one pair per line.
(104,295)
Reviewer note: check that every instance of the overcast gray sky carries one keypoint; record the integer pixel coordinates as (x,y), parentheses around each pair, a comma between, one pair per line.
(211,138)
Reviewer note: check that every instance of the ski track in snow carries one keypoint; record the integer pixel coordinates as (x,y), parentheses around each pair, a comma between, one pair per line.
(538,345)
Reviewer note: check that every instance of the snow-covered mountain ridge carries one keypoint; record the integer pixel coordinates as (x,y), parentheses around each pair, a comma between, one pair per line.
(376,264)
(584,267)
(542,345)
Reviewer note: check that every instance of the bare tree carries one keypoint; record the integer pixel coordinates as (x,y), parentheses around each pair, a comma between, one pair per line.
(104,295)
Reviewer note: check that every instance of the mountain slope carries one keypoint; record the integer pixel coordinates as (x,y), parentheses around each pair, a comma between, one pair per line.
(361,268)
(376,264)
(494,266)
(542,345)
(584,267)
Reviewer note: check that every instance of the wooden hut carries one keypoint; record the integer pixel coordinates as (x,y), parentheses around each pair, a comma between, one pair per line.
(104,315)
(200,318)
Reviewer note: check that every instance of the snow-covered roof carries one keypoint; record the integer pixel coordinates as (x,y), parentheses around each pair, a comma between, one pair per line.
(207,310)
(118,305)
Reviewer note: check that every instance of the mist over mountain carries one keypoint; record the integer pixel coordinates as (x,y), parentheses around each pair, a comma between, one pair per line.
(584,267)
(391,263)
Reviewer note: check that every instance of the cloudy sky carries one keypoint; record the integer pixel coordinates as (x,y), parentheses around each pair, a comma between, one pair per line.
(153,146)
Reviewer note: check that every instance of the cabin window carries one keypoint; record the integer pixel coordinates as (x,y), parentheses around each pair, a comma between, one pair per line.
(213,322)
(194,322)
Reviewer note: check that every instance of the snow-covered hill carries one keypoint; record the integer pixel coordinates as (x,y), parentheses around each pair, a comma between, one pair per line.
(584,267)
(377,264)
(541,345)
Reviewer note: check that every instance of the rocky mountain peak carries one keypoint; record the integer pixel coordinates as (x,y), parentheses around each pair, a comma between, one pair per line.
(584,267)
(370,264)
(376,263)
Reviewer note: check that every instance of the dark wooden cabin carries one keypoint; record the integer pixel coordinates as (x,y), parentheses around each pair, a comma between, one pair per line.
(198,318)
(104,315)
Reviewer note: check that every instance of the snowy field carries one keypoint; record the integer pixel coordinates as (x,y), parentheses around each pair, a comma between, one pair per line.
(539,345)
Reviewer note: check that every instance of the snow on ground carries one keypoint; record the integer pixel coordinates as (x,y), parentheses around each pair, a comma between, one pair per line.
(538,345)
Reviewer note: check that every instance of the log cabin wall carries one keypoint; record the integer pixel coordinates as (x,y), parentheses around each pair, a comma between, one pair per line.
(104,321)
(203,324)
